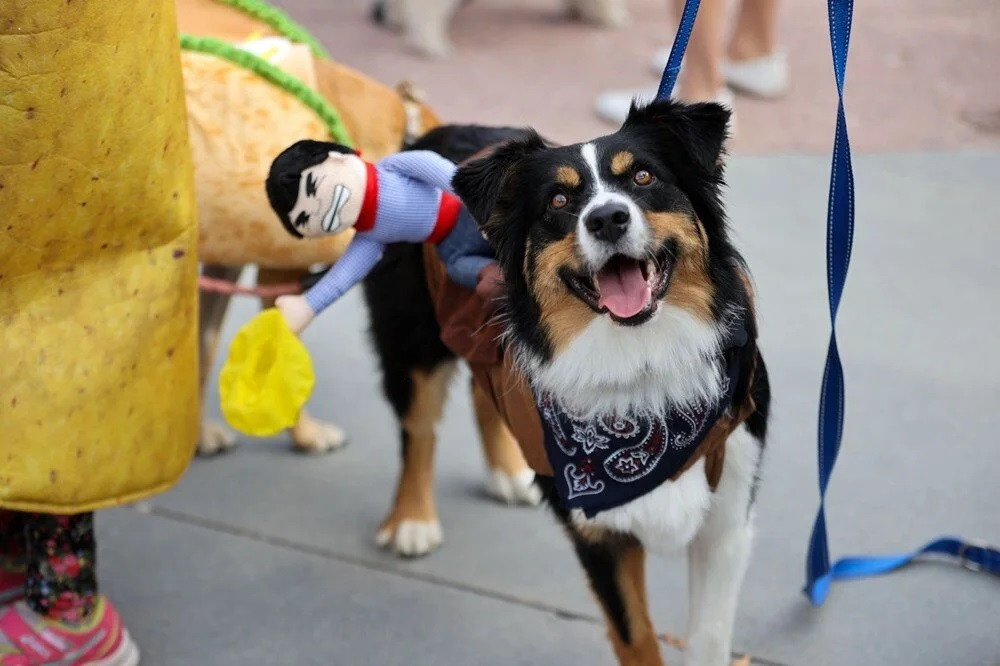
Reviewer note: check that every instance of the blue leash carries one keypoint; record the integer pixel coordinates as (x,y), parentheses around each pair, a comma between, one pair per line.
(839,239)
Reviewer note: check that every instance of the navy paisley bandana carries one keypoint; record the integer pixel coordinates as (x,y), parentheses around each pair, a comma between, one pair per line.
(601,462)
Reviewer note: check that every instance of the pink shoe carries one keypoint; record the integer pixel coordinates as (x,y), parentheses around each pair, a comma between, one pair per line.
(29,639)
(11,586)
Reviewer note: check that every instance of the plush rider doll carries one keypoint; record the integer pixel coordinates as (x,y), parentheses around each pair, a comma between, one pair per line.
(319,188)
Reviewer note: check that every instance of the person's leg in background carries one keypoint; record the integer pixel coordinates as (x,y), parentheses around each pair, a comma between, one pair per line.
(754,62)
(751,62)
(702,78)
(61,618)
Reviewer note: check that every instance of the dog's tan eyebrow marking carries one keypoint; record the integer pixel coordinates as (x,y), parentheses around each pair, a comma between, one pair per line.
(568,176)
(622,162)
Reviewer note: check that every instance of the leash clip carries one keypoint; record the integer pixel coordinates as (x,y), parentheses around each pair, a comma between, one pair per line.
(987,552)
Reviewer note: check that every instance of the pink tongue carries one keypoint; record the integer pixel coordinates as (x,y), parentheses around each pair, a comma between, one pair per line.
(624,292)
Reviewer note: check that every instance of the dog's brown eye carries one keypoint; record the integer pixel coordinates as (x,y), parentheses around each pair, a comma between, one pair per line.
(559,200)
(642,177)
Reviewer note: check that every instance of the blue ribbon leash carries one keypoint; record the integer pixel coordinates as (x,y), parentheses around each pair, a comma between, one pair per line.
(839,240)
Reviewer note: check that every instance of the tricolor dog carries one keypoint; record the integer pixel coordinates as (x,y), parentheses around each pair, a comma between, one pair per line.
(632,317)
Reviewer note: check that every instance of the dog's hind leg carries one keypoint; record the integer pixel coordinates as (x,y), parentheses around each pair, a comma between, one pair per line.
(718,556)
(510,479)
(308,435)
(616,567)
(212,306)
(418,396)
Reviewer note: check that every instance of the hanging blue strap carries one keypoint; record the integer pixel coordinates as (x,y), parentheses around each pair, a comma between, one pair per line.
(839,238)
(677,50)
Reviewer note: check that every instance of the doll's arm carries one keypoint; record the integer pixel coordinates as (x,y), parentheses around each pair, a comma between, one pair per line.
(423,165)
(465,270)
(359,258)
(465,252)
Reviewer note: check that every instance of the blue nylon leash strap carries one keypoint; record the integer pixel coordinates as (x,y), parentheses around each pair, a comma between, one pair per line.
(677,49)
(839,239)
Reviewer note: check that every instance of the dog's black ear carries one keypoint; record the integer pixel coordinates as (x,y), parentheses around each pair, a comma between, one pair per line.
(699,129)
(480,183)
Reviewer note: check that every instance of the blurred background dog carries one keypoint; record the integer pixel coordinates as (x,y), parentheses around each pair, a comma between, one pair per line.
(425,22)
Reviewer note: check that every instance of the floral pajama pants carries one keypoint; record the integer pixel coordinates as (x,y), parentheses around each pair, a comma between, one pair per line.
(57,554)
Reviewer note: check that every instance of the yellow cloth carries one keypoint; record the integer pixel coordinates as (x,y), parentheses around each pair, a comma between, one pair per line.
(98,265)
(267,377)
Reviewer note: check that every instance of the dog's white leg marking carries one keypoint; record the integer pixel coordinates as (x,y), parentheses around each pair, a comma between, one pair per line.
(517,488)
(312,436)
(412,538)
(215,438)
(718,557)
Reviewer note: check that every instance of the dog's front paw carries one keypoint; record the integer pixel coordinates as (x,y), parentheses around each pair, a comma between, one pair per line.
(214,438)
(516,488)
(312,436)
(410,538)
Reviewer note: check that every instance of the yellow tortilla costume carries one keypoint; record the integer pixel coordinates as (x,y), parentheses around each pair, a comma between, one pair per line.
(98,384)
(98,265)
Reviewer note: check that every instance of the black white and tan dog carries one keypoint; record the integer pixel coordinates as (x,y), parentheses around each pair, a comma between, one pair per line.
(631,315)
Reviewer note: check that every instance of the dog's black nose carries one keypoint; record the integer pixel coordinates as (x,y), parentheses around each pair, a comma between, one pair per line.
(608,222)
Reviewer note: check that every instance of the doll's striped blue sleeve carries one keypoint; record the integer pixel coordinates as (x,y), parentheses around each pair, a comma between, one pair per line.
(423,165)
(359,258)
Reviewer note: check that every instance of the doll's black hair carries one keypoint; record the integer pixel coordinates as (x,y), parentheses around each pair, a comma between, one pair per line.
(282,183)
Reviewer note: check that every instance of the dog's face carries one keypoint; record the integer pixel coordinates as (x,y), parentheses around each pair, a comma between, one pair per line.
(616,228)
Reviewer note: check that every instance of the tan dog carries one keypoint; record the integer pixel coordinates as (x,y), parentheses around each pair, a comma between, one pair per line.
(425,22)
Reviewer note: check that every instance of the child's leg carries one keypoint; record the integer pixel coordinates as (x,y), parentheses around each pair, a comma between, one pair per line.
(61,582)
(11,540)
(12,551)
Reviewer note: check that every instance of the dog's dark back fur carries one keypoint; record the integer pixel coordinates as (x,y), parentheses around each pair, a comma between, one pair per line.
(404,329)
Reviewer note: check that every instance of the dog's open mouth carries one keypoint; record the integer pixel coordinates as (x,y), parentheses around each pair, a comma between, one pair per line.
(628,289)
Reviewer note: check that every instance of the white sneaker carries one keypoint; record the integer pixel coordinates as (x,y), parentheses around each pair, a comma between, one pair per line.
(658,62)
(613,105)
(766,76)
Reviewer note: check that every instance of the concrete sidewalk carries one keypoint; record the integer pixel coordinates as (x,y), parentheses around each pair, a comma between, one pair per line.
(266,557)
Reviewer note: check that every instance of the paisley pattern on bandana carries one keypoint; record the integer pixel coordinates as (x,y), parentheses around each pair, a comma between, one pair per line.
(604,461)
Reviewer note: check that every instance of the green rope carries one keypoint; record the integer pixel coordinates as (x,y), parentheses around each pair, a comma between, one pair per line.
(279,22)
(274,75)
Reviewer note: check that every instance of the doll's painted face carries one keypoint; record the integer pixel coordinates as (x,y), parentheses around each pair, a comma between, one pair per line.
(330,196)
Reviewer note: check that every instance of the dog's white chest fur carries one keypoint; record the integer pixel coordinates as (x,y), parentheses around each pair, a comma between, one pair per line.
(671,360)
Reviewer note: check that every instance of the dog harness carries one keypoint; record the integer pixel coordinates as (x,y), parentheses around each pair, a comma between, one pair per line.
(604,461)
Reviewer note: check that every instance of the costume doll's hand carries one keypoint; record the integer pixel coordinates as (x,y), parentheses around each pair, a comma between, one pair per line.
(296,311)
(490,285)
